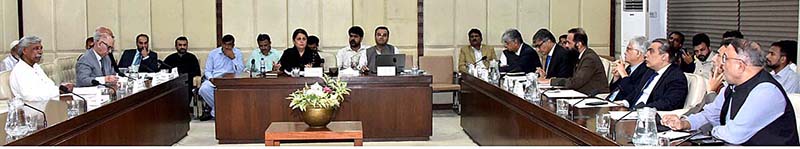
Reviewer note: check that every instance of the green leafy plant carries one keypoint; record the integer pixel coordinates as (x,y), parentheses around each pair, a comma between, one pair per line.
(329,95)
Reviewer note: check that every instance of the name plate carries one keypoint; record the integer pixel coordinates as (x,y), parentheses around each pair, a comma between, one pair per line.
(313,72)
(387,71)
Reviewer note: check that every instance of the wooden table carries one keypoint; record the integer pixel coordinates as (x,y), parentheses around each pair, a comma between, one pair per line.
(155,116)
(493,116)
(390,108)
(342,130)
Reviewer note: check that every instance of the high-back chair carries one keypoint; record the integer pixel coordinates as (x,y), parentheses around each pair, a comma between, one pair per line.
(441,67)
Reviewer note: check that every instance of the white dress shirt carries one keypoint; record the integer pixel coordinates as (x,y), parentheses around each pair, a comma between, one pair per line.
(346,55)
(32,85)
(649,88)
(788,79)
(478,55)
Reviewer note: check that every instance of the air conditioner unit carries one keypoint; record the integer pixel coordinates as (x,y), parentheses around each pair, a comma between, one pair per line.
(633,22)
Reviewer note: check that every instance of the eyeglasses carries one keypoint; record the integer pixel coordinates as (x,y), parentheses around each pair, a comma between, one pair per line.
(540,44)
(725,59)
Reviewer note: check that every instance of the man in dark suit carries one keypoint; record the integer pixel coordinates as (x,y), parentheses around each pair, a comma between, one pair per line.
(142,56)
(518,56)
(628,74)
(666,87)
(589,76)
(557,63)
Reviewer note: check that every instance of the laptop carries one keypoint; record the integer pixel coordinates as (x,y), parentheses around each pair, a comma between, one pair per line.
(397,60)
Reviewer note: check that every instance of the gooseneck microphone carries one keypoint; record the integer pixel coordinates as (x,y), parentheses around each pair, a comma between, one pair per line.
(637,106)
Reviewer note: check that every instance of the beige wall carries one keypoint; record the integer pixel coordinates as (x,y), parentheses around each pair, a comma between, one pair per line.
(447,21)
(328,19)
(65,24)
(8,24)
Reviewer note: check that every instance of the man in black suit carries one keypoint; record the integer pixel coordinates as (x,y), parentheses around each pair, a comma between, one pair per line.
(518,56)
(666,87)
(142,55)
(557,63)
(628,74)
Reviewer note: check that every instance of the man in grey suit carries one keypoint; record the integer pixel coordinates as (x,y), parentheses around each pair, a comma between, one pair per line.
(94,67)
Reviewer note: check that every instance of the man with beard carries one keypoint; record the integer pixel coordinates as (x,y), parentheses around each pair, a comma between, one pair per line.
(351,56)
(381,47)
(779,56)
(686,62)
(185,61)
(142,56)
(475,51)
(703,65)
(264,55)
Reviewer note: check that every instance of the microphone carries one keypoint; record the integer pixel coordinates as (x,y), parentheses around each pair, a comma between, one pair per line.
(40,111)
(252,67)
(163,64)
(96,83)
(637,106)
(688,137)
(481,60)
(66,90)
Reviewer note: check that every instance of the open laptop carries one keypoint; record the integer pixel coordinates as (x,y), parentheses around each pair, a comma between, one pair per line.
(397,60)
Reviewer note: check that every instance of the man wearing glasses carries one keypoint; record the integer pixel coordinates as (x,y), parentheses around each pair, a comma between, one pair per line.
(752,110)
(94,67)
(558,61)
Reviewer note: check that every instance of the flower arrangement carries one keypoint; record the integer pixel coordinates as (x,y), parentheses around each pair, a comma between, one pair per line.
(328,95)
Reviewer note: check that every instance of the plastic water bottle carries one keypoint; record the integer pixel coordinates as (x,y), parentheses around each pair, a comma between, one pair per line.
(646,133)
(263,68)
(494,73)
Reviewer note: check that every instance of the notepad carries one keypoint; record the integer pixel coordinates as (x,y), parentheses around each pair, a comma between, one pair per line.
(564,94)
(583,103)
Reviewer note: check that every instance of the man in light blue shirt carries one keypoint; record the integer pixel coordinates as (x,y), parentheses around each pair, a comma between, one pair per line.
(779,56)
(264,54)
(221,61)
(752,110)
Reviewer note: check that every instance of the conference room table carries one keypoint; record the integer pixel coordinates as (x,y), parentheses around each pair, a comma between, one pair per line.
(493,116)
(390,108)
(158,115)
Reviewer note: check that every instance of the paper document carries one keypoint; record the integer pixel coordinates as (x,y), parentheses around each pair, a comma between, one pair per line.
(564,94)
(617,115)
(673,134)
(86,90)
(583,103)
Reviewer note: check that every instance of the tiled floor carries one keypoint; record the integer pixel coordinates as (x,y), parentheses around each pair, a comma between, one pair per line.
(446,132)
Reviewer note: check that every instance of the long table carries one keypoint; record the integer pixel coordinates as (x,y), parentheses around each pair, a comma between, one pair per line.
(390,108)
(155,116)
(493,116)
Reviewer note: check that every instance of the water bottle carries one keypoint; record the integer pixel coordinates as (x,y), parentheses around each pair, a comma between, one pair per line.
(532,90)
(75,107)
(16,123)
(494,73)
(263,68)
(646,133)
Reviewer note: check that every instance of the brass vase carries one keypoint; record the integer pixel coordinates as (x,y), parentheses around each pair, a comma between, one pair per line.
(317,117)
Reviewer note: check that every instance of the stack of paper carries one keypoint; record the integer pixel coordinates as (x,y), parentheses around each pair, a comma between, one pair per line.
(564,94)
(673,134)
(583,103)
(617,115)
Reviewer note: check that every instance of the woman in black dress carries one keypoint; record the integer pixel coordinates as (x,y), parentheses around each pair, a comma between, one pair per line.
(299,56)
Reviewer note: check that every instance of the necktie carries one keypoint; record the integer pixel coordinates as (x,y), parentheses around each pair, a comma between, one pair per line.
(628,70)
(547,63)
(645,87)
(102,68)
(137,59)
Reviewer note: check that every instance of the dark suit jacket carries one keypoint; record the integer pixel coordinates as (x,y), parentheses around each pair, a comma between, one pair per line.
(527,61)
(628,85)
(562,63)
(668,94)
(146,65)
(589,77)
